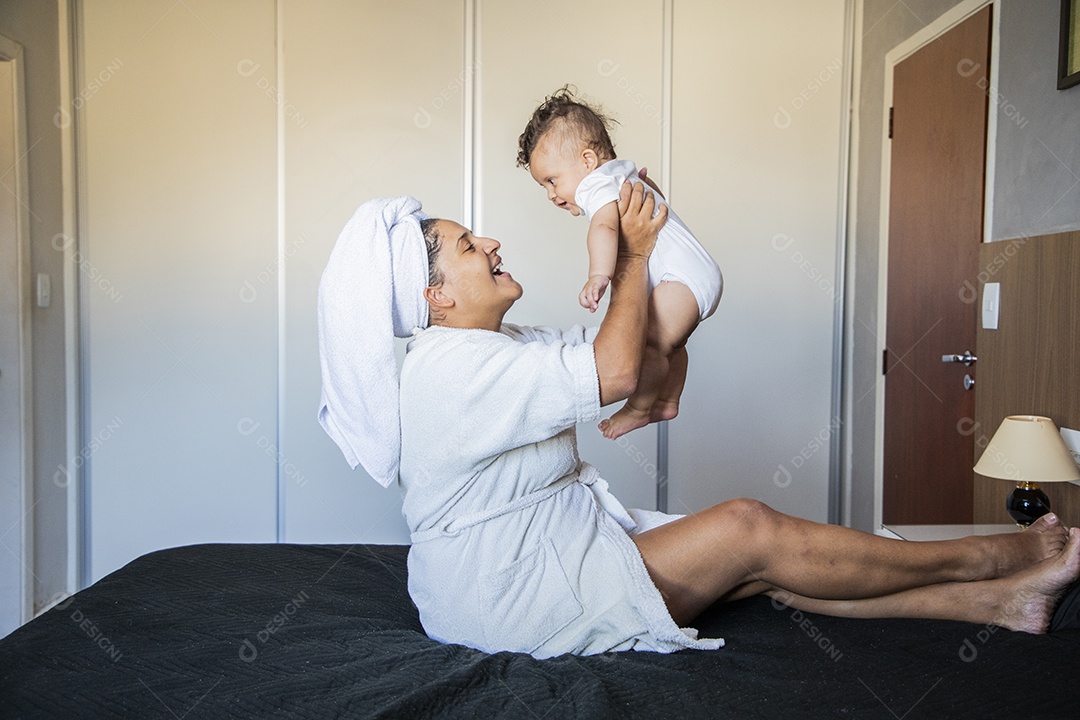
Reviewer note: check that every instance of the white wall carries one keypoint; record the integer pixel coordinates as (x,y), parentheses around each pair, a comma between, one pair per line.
(233,134)
(542,246)
(757,119)
(378,112)
(1036,185)
(179,210)
(15,420)
(33,24)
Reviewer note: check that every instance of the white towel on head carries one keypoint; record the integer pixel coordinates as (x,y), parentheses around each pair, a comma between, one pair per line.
(371,291)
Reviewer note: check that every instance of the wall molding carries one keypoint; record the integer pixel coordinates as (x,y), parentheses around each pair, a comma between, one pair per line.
(75,292)
(839,405)
(471,210)
(282,265)
(667,76)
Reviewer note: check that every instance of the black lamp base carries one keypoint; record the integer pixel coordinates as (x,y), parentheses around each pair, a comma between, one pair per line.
(1027,503)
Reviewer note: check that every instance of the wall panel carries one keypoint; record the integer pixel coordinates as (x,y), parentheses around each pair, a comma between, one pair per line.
(1028,365)
(756,124)
(612,52)
(374,108)
(178,206)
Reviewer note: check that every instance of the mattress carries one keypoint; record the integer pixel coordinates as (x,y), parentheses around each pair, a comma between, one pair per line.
(321,631)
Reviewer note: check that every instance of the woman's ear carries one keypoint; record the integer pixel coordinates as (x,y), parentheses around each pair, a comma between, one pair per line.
(437,298)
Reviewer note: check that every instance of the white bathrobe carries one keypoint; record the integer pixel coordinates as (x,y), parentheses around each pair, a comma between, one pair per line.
(517,544)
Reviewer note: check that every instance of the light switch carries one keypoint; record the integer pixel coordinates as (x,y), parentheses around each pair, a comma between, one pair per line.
(44,290)
(990,305)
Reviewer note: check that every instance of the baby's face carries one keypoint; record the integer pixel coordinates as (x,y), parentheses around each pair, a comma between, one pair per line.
(559,171)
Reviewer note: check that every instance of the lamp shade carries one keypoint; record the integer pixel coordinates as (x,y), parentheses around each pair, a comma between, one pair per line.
(1028,448)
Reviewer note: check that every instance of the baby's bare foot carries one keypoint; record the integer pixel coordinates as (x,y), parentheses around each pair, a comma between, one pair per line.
(1012,552)
(663,410)
(622,422)
(1037,590)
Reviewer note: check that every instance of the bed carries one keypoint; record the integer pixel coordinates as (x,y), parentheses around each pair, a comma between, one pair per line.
(321,631)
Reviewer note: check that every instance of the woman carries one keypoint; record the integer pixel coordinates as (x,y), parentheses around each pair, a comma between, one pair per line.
(517,544)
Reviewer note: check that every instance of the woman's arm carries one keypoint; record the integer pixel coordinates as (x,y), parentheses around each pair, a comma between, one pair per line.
(620,342)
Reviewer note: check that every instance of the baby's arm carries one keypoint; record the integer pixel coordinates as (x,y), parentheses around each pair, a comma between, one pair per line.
(603,244)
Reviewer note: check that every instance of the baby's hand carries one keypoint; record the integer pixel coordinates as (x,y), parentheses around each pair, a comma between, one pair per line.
(593,291)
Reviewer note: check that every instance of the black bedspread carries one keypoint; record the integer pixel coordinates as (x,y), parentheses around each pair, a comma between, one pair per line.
(297,631)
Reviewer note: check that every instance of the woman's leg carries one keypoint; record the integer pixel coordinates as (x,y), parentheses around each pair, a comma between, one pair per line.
(1022,601)
(728,549)
(673,315)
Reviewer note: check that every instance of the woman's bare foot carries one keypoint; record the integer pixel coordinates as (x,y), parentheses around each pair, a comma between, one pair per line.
(1029,597)
(1012,552)
(623,421)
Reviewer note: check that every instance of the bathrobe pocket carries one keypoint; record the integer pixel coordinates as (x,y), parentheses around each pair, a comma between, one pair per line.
(526,603)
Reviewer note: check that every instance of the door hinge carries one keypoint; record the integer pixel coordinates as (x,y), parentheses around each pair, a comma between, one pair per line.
(885,361)
(890,122)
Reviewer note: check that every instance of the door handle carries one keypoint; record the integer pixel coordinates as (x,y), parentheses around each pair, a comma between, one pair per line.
(967,358)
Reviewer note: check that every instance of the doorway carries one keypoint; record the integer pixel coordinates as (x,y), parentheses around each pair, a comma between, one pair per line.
(15,427)
(936,189)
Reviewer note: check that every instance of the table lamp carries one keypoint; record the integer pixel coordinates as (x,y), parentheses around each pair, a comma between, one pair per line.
(1029,450)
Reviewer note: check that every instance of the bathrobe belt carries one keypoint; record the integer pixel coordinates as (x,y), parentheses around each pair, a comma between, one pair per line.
(585,474)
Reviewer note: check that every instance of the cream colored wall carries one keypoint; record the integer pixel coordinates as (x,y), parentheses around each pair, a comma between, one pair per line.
(235,133)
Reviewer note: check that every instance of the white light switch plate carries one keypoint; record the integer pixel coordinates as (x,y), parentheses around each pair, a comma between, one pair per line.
(1072,441)
(991,303)
(44,290)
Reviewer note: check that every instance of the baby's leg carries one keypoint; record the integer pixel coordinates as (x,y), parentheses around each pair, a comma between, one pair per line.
(666,406)
(673,315)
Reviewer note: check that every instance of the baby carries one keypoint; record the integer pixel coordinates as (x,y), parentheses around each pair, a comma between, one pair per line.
(566,149)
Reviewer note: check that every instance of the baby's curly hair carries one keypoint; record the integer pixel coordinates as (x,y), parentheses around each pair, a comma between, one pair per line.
(589,124)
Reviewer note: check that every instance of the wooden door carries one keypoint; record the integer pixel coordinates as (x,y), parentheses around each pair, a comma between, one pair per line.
(935,227)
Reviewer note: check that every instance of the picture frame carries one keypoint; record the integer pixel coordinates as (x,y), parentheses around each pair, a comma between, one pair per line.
(1069,45)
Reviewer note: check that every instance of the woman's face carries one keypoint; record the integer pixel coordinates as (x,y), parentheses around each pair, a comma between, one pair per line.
(473,278)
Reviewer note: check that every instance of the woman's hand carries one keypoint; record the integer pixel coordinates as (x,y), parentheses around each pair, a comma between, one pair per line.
(637,225)
(620,342)
(643,173)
